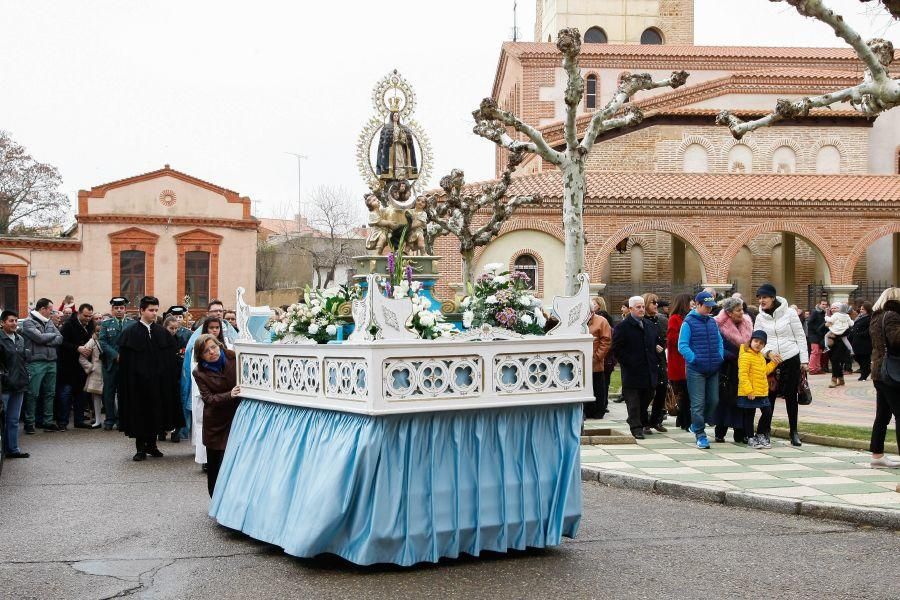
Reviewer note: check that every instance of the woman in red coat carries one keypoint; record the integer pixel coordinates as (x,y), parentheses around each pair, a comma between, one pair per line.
(681,305)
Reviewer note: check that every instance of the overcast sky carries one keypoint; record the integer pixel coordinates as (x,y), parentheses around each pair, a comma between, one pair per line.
(223,89)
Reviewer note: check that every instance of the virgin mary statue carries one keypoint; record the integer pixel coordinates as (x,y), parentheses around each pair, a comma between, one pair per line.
(396,153)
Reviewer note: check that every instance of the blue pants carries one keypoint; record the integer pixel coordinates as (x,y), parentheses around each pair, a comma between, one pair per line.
(704,393)
(12,404)
(70,395)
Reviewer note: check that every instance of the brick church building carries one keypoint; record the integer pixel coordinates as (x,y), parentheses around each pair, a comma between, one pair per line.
(811,205)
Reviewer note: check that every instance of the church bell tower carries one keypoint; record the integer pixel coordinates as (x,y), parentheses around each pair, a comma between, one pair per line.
(617,21)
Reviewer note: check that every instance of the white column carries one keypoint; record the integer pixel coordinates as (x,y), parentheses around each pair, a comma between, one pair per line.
(839,293)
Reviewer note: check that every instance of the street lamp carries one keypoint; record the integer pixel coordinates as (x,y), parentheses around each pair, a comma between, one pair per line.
(300,157)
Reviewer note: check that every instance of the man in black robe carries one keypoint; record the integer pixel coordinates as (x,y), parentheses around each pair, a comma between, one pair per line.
(148,381)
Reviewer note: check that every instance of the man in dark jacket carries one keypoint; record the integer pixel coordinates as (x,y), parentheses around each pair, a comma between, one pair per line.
(814,327)
(700,343)
(634,346)
(658,401)
(861,340)
(76,332)
(148,381)
(42,338)
(15,380)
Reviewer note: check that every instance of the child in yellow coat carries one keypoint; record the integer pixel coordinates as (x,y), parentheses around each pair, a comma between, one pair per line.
(753,388)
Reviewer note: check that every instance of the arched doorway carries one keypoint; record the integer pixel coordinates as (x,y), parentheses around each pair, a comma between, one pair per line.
(651,261)
(790,262)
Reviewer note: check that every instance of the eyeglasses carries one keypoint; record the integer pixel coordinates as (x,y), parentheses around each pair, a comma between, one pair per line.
(654,302)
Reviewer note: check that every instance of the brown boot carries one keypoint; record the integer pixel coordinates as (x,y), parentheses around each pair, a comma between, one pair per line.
(834,383)
(840,381)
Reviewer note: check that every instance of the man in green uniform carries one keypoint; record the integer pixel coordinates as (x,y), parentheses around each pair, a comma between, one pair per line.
(110,330)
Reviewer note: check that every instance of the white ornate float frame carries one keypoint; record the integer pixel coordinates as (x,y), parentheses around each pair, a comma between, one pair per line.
(483,368)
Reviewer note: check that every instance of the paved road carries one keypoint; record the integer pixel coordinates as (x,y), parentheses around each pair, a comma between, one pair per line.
(850,404)
(81,520)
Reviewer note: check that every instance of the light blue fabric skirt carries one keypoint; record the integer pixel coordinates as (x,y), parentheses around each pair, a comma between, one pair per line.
(401,489)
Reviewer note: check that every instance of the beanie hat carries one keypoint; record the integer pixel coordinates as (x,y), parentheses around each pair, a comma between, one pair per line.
(766,289)
(759,334)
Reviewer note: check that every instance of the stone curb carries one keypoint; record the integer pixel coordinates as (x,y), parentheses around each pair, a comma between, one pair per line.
(823,440)
(861,515)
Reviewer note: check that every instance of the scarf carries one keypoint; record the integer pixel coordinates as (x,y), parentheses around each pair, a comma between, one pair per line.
(731,331)
(216,367)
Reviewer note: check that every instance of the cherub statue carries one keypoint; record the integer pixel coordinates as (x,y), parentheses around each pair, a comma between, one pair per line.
(381,225)
(418,221)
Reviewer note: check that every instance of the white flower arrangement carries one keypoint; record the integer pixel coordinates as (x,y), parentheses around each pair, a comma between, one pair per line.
(502,299)
(315,316)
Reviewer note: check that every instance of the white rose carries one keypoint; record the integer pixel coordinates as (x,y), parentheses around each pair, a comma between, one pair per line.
(501,279)
(331,329)
(426,318)
(527,319)
(492,267)
(313,329)
(279,327)
(466,302)
(468,316)
(492,299)
(316,310)
(525,301)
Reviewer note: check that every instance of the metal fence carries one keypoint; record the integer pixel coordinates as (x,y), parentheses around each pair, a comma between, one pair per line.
(865,290)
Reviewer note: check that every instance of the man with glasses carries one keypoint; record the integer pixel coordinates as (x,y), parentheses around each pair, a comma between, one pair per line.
(658,400)
(634,345)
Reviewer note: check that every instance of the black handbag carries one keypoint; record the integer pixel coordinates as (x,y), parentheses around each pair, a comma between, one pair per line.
(890,364)
(804,395)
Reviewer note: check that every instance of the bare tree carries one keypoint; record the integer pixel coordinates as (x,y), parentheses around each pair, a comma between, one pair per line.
(30,199)
(455,213)
(876,94)
(491,123)
(335,217)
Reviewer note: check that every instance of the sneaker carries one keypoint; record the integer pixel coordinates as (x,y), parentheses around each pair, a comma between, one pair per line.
(754,442)
(765,442)
(702,442)
(884,463)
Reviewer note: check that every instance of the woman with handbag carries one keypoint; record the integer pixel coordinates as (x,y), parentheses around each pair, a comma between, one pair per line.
(885,333)
(736,329)
(676,368)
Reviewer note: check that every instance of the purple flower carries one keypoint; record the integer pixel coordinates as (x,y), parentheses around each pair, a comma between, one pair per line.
(388,289)
(507,317)
(408,273)
(391,263)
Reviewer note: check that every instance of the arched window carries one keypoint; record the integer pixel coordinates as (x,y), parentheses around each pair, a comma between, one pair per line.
(132,274)
(637,263)
(784,160)
(828,160)
(740,159)
(528,264)
(695,159)
(651,36)
(595,35)
(590,95)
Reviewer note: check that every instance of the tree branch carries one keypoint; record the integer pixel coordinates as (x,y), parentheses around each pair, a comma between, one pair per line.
(486,125)
(569,43)
(876,94)
(872,57)
(628,87)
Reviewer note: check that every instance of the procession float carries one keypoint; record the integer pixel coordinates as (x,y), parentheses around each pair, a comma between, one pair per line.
(412,430)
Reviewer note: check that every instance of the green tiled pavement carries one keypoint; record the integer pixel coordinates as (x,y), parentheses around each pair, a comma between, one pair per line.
(810,472)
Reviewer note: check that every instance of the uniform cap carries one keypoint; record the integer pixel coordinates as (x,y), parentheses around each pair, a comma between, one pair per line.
(118,301)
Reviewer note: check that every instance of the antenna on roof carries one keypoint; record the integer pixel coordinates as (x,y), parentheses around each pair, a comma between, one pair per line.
(515,27)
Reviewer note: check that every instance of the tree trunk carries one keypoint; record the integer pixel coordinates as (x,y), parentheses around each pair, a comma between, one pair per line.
(468,266)
(573,219)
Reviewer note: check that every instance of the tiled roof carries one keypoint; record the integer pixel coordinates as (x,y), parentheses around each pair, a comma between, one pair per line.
(654,186)
(669,50)
(281,226)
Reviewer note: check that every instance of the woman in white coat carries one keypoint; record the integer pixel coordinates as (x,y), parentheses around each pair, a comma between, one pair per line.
(787,341)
